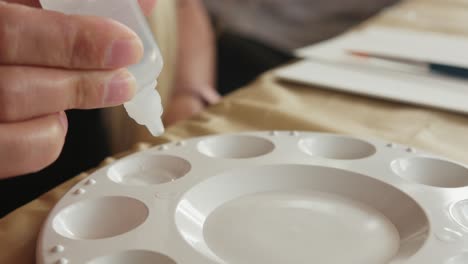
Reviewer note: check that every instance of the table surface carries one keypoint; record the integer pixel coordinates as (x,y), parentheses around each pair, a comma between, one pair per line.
(269,104)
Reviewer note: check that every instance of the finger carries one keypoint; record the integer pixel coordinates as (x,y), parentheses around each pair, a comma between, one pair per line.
(28,92)
(182,107)
(31,36)
(211,96)
(32,145)
(34,3)
(147,6)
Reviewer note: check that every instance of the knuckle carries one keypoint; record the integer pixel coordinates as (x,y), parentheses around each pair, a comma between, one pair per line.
(3,33)
(8,34)
(80,93)
(88,92)
(82,46)
(8,97)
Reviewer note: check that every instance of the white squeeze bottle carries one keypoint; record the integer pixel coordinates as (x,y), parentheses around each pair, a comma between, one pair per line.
(145,108)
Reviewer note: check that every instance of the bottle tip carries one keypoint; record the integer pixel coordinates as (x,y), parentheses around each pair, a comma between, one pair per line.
(156,128)
(146,109)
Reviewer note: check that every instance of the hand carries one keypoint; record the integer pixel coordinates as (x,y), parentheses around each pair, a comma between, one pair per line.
(50,62)
(146,5)
(194,87)
(186,103)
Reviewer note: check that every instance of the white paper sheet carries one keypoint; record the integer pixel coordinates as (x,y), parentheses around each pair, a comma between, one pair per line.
(410,85)
(424,46)
(330,65)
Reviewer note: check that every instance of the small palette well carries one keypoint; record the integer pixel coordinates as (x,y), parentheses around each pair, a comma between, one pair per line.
(265,197)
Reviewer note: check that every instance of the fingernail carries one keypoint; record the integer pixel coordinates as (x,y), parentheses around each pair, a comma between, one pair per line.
(63,120)
(123,53)
(120,88)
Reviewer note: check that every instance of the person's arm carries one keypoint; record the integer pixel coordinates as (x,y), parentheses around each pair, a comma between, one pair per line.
(195,70)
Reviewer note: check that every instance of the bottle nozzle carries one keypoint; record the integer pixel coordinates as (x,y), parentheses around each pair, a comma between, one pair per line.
(146,109)
(156,127)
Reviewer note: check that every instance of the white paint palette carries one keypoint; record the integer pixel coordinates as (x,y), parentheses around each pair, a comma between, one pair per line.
(265,197)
